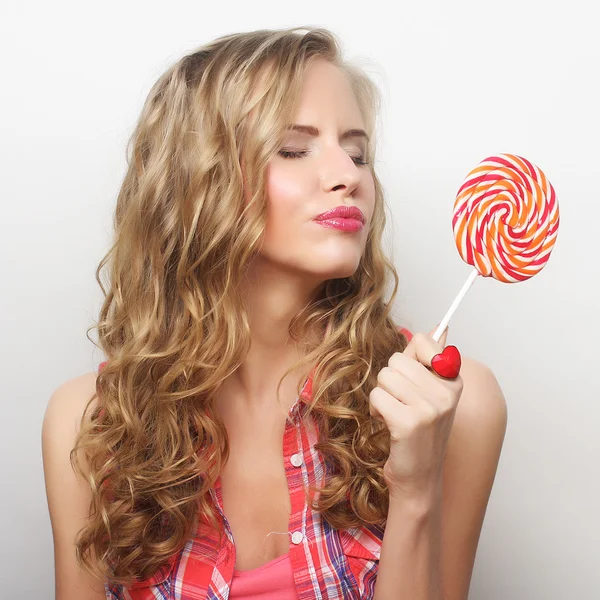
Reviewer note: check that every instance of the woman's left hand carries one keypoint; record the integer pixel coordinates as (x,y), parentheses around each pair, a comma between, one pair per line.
(418,408)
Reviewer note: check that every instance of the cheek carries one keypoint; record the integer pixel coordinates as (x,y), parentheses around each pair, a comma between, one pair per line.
(283,189)
(288,200)
(369,185)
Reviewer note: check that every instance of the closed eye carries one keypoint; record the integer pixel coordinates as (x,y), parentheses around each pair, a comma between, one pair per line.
(300,153)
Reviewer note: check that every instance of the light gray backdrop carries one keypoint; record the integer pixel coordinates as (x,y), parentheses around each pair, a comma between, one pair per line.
(461,81)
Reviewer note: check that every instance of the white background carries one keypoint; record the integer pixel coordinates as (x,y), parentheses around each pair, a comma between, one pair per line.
(461,81)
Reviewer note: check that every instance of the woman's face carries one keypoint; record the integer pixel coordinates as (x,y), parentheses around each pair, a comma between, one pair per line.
(325,173)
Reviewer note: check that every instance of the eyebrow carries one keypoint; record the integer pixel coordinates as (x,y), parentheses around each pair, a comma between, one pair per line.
(310,130)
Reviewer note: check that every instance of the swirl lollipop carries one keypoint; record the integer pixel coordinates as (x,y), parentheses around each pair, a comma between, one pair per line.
(505,222)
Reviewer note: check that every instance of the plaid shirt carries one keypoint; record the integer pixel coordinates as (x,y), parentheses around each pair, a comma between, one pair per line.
(327,563)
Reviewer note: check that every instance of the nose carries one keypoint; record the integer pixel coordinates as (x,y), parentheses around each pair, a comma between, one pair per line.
(340,171)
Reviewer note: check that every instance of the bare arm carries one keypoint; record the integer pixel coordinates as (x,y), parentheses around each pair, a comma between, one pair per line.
(429,547)
(68,496)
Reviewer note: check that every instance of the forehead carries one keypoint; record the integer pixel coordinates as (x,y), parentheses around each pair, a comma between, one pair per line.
(325,91)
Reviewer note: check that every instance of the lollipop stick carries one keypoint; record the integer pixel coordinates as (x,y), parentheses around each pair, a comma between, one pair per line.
(463,292)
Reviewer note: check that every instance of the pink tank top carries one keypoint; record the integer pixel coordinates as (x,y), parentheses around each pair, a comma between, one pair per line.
(273,581)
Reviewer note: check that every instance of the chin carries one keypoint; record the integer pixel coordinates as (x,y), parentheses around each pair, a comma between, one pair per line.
(338,272)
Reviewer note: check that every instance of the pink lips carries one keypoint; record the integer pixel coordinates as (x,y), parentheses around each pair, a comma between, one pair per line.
(342,212)
(346,218)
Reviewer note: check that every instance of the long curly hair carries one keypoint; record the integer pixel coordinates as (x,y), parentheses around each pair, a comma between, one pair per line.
(173,324)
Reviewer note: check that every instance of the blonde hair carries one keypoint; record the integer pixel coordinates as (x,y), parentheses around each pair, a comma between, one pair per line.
(173,324)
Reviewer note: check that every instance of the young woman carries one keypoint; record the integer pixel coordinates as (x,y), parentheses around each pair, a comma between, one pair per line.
(261,425)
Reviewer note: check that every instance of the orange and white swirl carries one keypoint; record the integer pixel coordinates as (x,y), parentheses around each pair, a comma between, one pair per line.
(505,218)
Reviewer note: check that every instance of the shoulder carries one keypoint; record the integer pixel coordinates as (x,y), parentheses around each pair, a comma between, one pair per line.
(482,402)
(62,418)
(477,434)
(68,401)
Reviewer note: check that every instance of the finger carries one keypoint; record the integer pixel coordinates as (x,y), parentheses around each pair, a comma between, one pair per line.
(397,384)
(409,368)
(384,407)
(423,348)
(443,337)
(431,388)
(409,335)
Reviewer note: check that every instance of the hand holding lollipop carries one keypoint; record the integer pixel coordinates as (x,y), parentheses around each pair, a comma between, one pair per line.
(505,224)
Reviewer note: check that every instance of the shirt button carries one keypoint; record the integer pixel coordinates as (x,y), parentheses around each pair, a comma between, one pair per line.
(296,459)
(297,537)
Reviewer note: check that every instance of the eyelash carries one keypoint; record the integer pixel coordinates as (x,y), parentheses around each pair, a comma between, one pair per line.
(300,153)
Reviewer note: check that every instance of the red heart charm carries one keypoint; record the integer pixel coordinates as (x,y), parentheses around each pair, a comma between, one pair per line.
(447,363)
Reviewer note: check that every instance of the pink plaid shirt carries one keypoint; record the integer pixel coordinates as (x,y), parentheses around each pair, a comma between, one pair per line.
(327,563)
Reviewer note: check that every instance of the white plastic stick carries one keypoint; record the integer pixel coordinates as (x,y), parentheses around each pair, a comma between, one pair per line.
(463,292)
